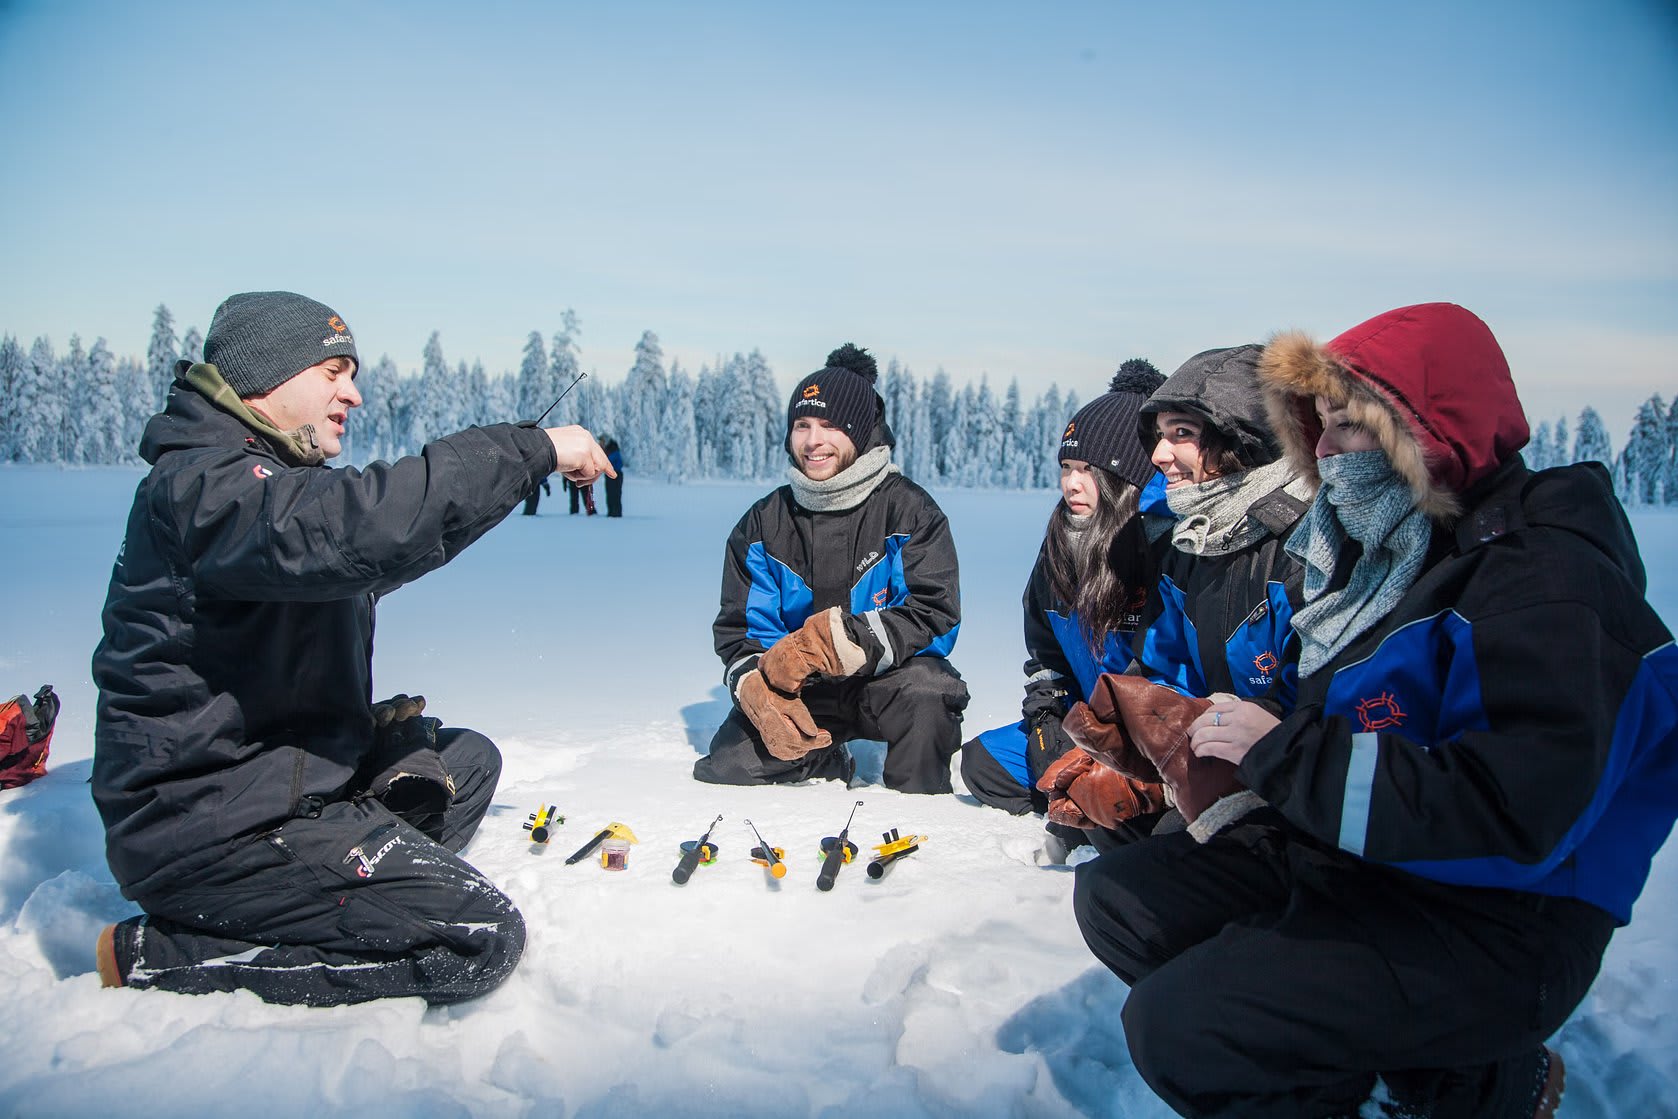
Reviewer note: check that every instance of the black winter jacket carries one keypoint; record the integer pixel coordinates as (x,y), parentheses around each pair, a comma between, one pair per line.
(235,671)
(1512,721)
(889,564)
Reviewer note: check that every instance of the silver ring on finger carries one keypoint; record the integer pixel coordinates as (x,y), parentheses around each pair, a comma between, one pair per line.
(1217,718)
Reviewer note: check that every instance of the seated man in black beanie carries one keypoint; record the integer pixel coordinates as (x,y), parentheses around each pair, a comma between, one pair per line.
(282,833)
(839,606)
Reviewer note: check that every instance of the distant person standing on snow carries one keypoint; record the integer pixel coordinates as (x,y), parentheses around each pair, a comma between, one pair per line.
(580,493)
(284,834)
(1083,605)
(839,606)
(614,480)
(534,497)
(1465,800)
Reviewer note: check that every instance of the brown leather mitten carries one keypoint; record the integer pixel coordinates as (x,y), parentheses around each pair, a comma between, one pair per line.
(786,726)
(1158,720)
(1084,794)
(1104,736)
(819,647)
(1058,779)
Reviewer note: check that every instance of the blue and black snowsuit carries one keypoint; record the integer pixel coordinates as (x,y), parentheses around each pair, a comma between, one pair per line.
(1001,766)
(890,565)
(1464,802)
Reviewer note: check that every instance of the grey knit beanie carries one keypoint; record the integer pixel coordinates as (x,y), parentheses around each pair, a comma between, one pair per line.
(259,340)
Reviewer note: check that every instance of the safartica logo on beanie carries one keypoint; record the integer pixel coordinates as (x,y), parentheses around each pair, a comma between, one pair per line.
(340,335)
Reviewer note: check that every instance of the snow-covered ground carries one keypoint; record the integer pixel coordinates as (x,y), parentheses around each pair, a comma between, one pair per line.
(956,985)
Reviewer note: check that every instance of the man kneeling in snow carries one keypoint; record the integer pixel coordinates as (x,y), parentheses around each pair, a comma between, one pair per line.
(284,834)
(839,605)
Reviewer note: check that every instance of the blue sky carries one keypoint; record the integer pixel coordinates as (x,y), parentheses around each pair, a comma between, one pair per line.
(1036,190)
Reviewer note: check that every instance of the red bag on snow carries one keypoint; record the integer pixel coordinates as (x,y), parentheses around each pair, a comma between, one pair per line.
(25,735)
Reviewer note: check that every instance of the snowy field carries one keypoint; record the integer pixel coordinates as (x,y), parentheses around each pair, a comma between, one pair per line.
(957,985)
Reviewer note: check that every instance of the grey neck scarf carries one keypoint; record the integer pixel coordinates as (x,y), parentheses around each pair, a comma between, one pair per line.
(1212,515)
(1362,498)
(846,489)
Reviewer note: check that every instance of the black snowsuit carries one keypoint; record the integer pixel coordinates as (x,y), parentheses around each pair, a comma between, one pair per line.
(235,743)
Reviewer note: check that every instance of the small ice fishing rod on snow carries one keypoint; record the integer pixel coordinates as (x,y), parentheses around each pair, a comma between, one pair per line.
(542,822)
(770,858)
(839,851)
(894,848)
(694,852)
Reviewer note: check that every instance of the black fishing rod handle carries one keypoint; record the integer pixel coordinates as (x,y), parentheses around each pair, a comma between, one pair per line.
(684,869)
(830,867)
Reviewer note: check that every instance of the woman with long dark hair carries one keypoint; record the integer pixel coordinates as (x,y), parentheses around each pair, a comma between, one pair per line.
(1084,600)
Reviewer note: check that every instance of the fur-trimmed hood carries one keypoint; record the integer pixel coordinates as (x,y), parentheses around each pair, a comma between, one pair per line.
(1429,380)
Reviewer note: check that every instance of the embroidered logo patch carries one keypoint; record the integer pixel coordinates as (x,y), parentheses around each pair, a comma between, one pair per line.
(812,392)
(882,596)
(1380,713)
(369,864)
(1265,662)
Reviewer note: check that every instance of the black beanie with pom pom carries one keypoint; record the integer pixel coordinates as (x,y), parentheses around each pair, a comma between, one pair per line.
(1103,433)
(842,393)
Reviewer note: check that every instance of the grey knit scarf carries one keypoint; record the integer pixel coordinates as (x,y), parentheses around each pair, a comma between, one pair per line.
(1362,498)
(1212,515)
(846,489)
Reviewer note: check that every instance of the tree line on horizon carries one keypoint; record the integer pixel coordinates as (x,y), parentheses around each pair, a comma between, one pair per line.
(725,422)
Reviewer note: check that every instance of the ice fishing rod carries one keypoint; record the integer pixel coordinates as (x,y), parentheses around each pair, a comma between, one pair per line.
(694,852)
(839,850)
(770,857)
(557,399)
(542,822)
(894,848)
(612,829)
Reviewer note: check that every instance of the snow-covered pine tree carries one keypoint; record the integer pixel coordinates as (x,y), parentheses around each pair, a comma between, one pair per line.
(134,387)
(473,407)
(40,404)
(13,364)
(642,401)
(104,423)
(432,403)
(984,462)
(1538,453)
(1646,453)
(1015,468)
(907,417)
(1591,440)
(563,371)
(764,404)
(707,437)
(676,428)
(74,440)
(595,409)
(374,422)
(192,345)
(535,379)
(161,354)
(1669,483)
(941,419)
(1047,422)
